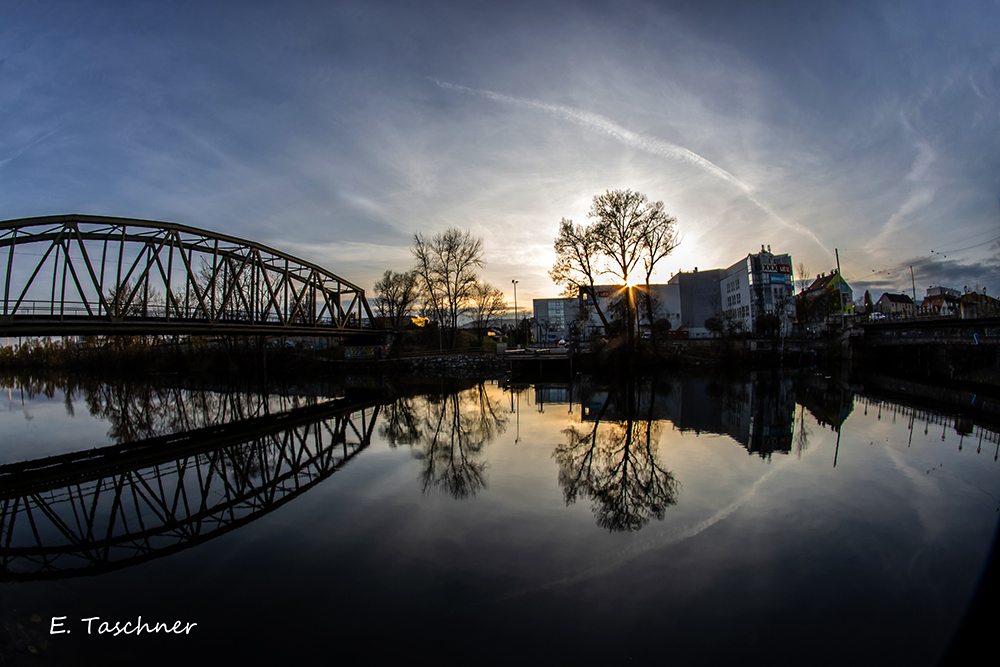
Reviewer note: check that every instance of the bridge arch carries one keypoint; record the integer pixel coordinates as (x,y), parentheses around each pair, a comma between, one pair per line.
(84,274)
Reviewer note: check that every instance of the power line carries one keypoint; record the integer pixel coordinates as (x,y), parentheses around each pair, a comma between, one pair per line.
(899,268)
(970,247)
(969,238)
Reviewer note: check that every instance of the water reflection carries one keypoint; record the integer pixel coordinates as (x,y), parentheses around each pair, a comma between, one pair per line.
(751,517)
(448,432)
(614,462)
(757,411)
(611,457)
(198,464)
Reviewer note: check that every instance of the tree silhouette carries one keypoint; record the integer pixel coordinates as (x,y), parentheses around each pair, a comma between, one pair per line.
(451,432)
(615,464)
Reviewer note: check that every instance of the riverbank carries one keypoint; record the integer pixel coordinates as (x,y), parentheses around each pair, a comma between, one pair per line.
(253,359)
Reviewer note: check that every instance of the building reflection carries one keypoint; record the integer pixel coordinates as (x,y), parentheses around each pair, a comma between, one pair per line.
(758,412)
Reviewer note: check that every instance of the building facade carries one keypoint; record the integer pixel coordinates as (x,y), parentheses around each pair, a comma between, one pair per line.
(699,298)
(665,304)
(754,295)
(556,319)
(757,286)
(895,305)
(941,302)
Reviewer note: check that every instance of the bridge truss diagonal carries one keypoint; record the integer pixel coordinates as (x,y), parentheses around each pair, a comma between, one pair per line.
(80,274)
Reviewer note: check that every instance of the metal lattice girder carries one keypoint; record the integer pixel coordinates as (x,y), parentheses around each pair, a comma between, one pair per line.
(82,274)
(100,510)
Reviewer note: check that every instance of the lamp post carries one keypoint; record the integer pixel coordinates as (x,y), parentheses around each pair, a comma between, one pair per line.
(514,282)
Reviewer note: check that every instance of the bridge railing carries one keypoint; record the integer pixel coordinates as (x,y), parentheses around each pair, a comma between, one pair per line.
(48,310)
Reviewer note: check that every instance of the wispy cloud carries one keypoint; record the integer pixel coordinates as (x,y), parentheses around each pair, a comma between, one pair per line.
(19,151)
(920,197)
(638,141)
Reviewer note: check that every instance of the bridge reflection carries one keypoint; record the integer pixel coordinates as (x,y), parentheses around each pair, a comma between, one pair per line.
(94,511)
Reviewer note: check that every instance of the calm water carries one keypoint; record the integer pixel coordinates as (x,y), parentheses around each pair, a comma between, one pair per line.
(692,520)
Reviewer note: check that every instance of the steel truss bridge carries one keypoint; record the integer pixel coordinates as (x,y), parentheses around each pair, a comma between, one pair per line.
(88,275)
(99,510)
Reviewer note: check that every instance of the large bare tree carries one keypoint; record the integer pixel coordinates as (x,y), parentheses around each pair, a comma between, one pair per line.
(446,270)
(658,240)
(628,235)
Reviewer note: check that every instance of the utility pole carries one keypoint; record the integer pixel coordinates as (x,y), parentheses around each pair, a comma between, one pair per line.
(840,293)
(913,284)
(514,282)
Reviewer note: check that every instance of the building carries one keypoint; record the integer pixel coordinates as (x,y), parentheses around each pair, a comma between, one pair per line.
(941,302)
(753,295)
(974,304)
(556,319)
(665,304)
(756,287)
(895,305)
(699,298)
(828,295)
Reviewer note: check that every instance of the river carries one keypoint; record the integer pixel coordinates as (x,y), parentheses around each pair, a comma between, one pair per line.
(688,518)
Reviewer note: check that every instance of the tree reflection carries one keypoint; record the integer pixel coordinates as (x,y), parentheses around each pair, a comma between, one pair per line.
(448,433)
(400,425)
(137,412)
(615,463)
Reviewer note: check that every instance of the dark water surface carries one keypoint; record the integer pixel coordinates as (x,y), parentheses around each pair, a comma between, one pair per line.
(694,520)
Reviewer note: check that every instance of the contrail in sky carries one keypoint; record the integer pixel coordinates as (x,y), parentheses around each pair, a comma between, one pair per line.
(635,140)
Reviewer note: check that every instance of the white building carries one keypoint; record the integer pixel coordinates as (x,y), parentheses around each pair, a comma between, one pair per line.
(759,284)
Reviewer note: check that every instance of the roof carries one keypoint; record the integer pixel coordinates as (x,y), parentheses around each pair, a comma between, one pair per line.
(896,298)
(825,281)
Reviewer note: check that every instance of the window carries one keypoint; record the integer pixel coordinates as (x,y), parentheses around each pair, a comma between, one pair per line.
(557,313)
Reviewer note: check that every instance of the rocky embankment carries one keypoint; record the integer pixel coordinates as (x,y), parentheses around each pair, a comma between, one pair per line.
(431,365)
(458,365)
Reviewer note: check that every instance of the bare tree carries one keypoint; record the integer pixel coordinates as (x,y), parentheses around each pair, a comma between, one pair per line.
(628,234)
(631,232)
(659,239)
(577,263)
(488,303)
(803,272)
(446,270)
(396,293)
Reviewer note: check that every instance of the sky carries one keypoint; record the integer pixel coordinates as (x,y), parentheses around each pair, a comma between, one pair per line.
(337,130)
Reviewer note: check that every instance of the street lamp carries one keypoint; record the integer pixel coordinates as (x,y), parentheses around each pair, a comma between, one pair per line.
(514,282)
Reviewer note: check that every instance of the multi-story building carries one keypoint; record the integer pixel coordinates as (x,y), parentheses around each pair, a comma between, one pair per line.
(758,285)
(555,319)
(941,301)
(665,302)
(827,296)
(699,298)
(974,304)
